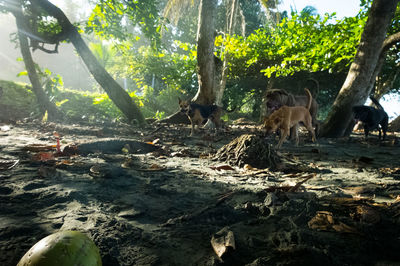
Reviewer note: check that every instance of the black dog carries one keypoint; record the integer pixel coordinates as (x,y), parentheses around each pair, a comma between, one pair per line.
(372,118)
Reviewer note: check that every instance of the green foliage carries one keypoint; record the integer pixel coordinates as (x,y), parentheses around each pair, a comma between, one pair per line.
(18,97)
(109,20)
(77,105)
(301,43)
(160,76)
(104,53)
(51,82)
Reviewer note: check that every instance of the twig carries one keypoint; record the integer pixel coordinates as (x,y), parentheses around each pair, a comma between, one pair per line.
(157,129)
(295,187)
(186,217)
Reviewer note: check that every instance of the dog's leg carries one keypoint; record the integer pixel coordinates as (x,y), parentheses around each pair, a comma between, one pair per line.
(310,129)
(293,133)
(198,124)
(217,123)
(309,126)
(366,131)
(192,124)
(316,125)
(284,134)
(296,133)
(380,133)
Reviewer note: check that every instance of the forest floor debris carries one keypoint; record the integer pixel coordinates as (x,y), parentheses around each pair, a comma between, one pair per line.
(162,205)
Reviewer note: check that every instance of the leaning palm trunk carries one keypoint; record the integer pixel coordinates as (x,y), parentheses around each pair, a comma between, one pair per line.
(116,93)
(43,100)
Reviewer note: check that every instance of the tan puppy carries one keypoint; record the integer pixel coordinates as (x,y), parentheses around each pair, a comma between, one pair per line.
(287,117)
(279,97)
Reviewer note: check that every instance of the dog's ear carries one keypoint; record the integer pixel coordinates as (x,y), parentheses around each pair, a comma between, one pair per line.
(179,100)
(277,120)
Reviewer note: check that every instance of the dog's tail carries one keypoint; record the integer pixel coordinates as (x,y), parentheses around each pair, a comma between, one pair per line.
(309,98)
(375,101)
(316,87)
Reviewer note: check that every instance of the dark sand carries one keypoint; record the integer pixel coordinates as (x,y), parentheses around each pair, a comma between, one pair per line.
(162,207)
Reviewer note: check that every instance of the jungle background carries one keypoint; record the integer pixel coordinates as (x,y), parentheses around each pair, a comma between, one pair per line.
(88,93)
(158,65)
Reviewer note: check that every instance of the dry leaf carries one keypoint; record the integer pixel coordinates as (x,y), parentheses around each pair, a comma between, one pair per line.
(153,167)
(127,163)
(223,242)
(66,162)
(153,142)
(181,153)
(156,167)
(43,156)
(366,214)
(222,167)
(248,167)
(204,155)
(323,220)
(358,190)
(291,175)
(344,228)
(390,171)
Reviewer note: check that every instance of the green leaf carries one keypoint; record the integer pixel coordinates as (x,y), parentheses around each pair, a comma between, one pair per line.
(22,73)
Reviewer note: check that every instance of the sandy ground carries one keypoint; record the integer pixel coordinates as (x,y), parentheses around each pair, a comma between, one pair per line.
(163,207)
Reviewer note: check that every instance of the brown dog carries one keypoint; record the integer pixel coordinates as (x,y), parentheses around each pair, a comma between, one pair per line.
(198,113)
(279,97)
(288,117)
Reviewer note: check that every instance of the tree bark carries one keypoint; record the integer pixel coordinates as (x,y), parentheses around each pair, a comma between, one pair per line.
(395,125)
(389,42)
(356,87)
(116,93)
(224,74)
(41,97)
(205,53)
(383,87)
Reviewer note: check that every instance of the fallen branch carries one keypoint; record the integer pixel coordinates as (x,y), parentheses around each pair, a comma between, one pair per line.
(187,217)
(306,178)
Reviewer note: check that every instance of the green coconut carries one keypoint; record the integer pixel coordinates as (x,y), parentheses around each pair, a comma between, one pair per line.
(63,248)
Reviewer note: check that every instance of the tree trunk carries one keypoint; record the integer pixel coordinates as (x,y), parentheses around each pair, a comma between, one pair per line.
(224,74)
(395,125)
(41,97)
(205,53)
(383,86)
(116,93)
(356,87)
